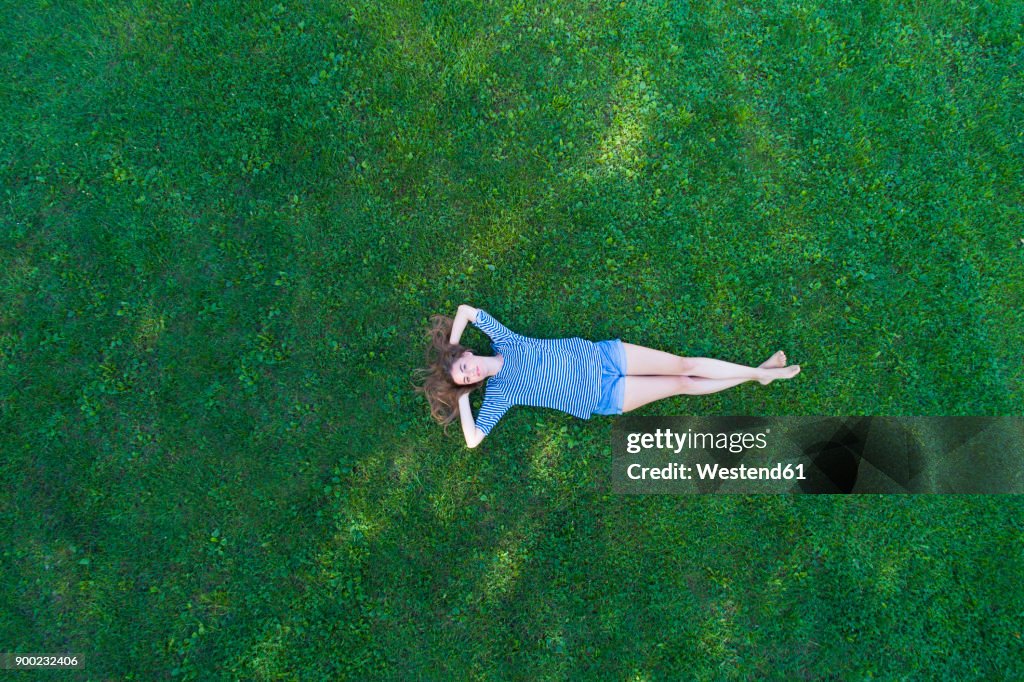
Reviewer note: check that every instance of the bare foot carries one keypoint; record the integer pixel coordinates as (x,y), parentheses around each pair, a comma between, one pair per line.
(777,360)
(771,374)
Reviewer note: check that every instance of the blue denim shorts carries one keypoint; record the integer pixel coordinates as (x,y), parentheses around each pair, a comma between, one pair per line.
(613,373)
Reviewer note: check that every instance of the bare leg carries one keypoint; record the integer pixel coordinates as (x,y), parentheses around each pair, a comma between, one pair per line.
(702,386)
(642,390)
(642,361)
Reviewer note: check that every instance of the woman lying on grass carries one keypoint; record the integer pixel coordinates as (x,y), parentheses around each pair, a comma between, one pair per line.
(573,375)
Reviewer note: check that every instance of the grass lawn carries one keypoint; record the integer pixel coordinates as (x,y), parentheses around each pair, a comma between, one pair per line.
(224,225)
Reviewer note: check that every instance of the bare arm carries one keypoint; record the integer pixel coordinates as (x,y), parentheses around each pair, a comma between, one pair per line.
(470,430)
(465,315)
(473,434)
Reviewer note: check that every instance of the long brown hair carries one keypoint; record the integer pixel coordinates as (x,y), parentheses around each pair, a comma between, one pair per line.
(440,390)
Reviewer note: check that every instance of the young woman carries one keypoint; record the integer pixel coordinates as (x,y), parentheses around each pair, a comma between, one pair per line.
(573,375)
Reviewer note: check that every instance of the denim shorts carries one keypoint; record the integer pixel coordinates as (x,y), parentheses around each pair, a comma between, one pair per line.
(613,376)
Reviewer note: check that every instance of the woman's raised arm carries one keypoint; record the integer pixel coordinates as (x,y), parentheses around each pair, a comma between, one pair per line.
(470,430)
(465,314)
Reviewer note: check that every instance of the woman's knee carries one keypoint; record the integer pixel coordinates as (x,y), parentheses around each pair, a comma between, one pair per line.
(687,385)
(686,365)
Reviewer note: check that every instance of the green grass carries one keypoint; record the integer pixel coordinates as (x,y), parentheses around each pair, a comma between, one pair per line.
(223,227)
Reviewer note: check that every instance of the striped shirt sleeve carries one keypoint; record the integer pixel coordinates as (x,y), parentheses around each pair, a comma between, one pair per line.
(496,330)
(492,409)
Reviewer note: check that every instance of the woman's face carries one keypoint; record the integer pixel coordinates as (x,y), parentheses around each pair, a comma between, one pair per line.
(468,369)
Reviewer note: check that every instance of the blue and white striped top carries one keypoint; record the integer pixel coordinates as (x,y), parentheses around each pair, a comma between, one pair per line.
(563,374)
